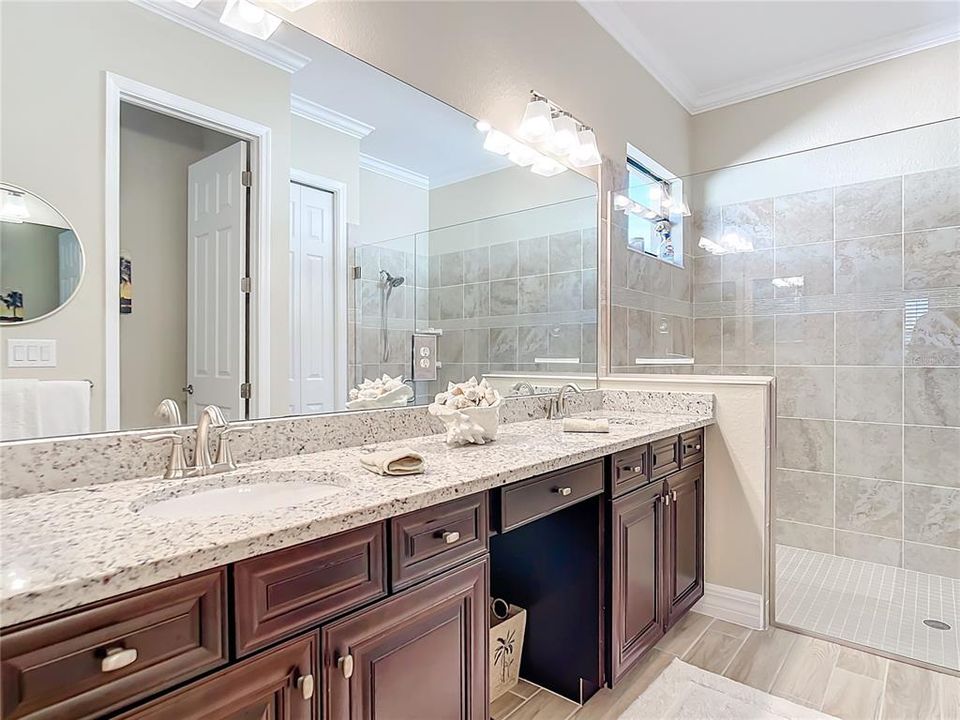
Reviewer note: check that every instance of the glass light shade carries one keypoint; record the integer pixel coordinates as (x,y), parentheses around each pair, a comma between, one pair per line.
(294,5)
(537,124)
(586,153)
(622,202)
(14,209)
(523,155)
(249,18)
(189,3)
(564,139)
(547,167)
(498,142)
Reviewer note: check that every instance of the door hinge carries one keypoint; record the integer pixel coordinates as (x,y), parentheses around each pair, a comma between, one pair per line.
(246,391)
(246,178)
(356,272)
(246,284)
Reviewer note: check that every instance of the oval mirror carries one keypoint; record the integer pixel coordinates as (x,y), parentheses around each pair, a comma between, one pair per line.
(41,258)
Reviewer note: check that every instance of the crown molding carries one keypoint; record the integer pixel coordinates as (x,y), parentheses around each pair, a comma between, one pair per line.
(612,18)
(387,169)
(310,110)
(203,22)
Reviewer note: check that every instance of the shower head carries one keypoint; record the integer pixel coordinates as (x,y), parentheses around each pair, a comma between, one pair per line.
(389,280)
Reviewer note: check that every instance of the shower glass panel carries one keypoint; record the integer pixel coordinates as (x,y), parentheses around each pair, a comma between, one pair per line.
(837,271)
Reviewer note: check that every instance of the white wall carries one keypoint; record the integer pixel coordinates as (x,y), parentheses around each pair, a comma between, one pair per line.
(52,140)
(391,209)
(317,149)
(485,57)
(914,89)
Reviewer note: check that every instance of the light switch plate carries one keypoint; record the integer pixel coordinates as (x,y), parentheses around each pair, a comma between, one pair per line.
(31,353)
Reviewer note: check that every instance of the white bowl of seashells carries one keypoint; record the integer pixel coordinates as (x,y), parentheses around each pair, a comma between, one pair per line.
(380,392)
(470,410)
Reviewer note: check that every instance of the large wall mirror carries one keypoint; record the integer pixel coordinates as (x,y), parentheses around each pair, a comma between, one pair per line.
(271,226)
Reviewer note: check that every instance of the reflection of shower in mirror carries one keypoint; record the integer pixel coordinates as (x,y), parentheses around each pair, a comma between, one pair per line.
(387,283)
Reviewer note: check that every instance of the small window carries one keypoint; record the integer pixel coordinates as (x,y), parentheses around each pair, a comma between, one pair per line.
(659,232)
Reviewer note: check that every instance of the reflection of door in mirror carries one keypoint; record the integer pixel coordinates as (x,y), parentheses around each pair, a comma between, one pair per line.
(183,216)
(312,344)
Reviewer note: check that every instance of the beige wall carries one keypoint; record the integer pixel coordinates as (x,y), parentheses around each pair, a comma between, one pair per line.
(319,150)
(485,57)
(737,469)
(155,154)
(919,88)
(53,142)
(391,210)
(30,263)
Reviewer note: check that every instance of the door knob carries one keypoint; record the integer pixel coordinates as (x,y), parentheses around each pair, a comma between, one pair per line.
(188,389)
(345,663)
(305,685)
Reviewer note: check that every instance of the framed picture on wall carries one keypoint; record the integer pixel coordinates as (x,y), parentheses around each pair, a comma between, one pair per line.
(126,284)
(11,305)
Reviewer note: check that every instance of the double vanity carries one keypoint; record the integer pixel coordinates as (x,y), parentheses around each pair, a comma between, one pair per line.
(142,599)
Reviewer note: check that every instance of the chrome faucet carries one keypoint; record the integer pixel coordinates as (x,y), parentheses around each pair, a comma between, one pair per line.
(557,408)
(523,388)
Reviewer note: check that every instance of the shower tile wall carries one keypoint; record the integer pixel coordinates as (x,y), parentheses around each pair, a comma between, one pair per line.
(866,354)
(503,305)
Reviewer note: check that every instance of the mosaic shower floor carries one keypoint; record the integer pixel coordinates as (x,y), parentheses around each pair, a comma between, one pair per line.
(874,605)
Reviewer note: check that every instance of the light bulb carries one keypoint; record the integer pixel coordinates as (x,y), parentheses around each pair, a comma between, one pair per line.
(523,155)
(250,12)
(498,142)
(547,167)
(564,139)
(483,126)
(248,18)
(586,153)
(537,124)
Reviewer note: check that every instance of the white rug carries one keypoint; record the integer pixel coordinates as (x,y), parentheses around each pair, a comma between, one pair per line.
(685,692)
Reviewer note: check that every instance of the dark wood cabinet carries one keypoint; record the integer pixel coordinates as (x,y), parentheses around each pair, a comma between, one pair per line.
(419,654)
(638,599)
(280,684)
(684,540)
(532,499)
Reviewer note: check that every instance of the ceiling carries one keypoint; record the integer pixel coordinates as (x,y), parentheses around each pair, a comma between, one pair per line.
(711,54)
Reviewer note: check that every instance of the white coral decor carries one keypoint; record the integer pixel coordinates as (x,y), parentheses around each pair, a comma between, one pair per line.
(470,410)
(379,392)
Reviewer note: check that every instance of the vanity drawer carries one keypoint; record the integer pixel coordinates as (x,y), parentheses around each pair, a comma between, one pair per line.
(283,592)
(532,499)
(691,447)
(664,457)
(629,469)
(88,662)
(427,541)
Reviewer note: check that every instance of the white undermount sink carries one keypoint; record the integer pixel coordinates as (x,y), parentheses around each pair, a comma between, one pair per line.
(236,496)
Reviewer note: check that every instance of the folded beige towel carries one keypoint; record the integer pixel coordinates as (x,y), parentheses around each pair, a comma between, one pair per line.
(586,425)
(402,461)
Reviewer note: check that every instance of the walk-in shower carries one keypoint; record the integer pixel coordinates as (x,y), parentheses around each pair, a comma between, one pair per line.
(388,283)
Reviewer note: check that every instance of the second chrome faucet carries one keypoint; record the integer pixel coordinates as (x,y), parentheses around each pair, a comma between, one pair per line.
(210,417)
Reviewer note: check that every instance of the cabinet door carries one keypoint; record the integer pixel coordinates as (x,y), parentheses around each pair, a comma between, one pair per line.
(279,684)
(637,598)
(420,654)
(684,540)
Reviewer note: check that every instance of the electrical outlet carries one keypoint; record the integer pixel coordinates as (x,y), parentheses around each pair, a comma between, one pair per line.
(31,353)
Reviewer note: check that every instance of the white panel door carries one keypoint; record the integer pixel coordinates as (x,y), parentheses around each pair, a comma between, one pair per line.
(216,249)
(312,344)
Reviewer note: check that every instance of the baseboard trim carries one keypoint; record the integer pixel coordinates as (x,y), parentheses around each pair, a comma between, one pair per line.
(732,605)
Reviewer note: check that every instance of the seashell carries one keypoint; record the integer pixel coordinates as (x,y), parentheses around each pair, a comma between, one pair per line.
(463,403)
(472,394)
(451,401)
(441,398)
(490,395)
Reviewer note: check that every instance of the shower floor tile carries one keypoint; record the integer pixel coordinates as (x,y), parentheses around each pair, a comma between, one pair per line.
(869,604)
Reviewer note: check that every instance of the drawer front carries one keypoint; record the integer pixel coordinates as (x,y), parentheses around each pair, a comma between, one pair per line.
(428,541)
(691,448)
(532,499)
(94,660)
(664,457)
(283,592)
(629,469)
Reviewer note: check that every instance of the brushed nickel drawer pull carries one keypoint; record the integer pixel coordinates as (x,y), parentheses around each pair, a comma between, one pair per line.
(564,491)
(345,664)
(666,499)
(450,537)
(118,657)
(637,468)
(674,495)
(305,685)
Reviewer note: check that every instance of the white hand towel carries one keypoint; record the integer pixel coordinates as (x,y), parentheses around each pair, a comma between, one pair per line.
(585,425)
(64,407)
(402,461)
(19,409)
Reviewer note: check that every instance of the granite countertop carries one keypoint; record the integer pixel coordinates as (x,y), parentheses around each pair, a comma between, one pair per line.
(68,548)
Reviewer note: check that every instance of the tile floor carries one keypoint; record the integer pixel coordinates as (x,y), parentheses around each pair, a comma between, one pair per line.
(869,604)
(845,683)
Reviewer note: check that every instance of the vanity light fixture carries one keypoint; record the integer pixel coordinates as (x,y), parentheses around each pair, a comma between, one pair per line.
(245,16)
(586,153)
(294,5)
(483,125)
(547,166)
(523,155)
(498,142)
(189,3)
(537,123)
(565,135)
(14,209)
